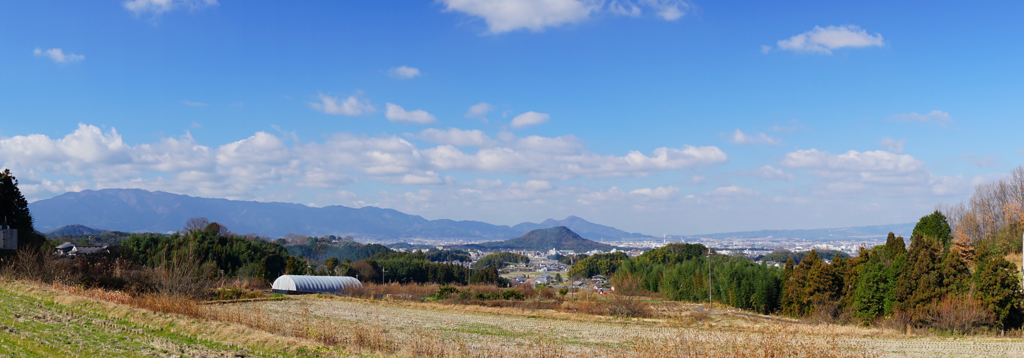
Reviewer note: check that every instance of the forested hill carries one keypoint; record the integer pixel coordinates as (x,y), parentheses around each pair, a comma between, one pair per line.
(135,210)
(583,228)
(559,237)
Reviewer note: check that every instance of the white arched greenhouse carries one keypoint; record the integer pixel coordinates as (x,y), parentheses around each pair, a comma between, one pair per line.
(296,284)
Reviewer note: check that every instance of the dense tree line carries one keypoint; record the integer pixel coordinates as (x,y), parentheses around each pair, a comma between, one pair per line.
(598,264)
(922,283)
(448,256)
(501,259)
(397,267)
(680,272)
(912,282)
(783,255)
(320,249)
(233,255)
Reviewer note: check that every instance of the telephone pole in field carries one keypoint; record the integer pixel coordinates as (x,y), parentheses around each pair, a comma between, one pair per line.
(709,275)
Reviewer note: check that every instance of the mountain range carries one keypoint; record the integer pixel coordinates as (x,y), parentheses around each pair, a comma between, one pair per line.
(833,234)
(136,210)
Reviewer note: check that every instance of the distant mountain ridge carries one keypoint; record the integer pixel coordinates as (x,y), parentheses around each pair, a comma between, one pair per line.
(136,210)
(584,228)
(845,233)
(559,237)
(74,229)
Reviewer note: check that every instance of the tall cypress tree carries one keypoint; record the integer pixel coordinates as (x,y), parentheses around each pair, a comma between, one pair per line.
(921,280)
(14,209)
(935,226)
(999,290)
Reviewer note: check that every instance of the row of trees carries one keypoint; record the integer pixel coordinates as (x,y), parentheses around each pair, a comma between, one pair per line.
(501,259)
(390,266)
(891,279)
(232,255)
(936,282)
(680,272)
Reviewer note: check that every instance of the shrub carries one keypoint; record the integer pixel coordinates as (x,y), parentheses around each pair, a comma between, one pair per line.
(446,292)
(511,294)
(233,293)
(957,314)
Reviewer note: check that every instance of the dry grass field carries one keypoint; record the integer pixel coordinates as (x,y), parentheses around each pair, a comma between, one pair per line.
(55,321)
(43,320)
(431,329)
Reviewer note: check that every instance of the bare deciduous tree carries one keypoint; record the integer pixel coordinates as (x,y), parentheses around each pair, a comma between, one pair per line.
(992,208)
(195,224)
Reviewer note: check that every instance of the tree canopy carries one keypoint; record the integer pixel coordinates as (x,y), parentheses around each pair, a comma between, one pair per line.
(14,209)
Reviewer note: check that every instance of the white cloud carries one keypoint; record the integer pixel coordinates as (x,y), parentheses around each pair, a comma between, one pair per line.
(457,137)
(853,171)
(194,104)
(668,10)
(536,15)
(564,158)
(938,117)
(428,177)
(93,158)
(982,161)
(794,125)
(824,40)
(959,185)
(479,110)
(892,145)
(536,185)
(404,72)
(732,191)
(351,106)
(853,161)
(529,119)
(157,7)
(58,55)
(768,172)
(489,184)
(659,193)
(738,137)
(396,113)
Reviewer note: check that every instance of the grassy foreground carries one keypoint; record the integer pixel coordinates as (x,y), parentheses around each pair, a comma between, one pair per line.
(50,320)
(41,321)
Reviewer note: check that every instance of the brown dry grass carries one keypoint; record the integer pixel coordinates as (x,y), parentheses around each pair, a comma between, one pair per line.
(375,336)
(120,305)
(408,328)
(437,330)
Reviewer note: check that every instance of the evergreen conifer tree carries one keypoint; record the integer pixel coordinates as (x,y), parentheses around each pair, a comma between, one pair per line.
(935,226)
(14,209)
(921,280)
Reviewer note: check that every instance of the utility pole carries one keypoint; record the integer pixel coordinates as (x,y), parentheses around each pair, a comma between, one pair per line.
(709,275)
(382,275)
(572,282)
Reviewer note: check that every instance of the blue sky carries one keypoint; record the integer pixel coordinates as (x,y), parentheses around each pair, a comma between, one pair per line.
(657,116)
